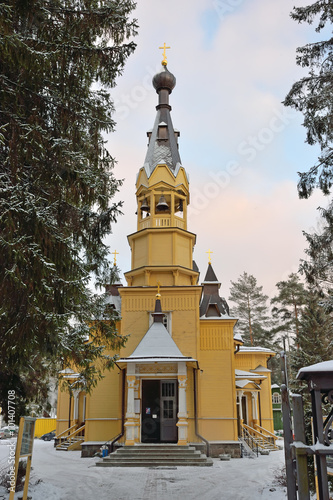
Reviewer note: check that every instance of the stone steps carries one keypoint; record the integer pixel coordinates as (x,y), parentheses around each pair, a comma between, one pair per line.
(155,456)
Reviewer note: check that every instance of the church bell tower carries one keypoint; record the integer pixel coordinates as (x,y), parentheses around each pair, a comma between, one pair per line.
(162,247)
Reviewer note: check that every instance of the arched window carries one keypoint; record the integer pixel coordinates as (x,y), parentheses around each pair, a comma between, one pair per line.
(276,398)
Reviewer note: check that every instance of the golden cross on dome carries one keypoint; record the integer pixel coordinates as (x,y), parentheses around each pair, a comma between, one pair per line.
(164,62)
(209,257)
(158,288)
(115,253)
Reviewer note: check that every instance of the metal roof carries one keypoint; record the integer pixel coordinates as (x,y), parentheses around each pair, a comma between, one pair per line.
(212,305)
(157,343)
(163,138)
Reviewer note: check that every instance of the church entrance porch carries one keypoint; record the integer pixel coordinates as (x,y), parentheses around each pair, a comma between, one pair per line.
(159,411)
(156,409)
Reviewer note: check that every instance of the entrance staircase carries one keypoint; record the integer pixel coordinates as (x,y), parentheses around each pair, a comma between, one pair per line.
(258,439)
(155,455)
(70,439)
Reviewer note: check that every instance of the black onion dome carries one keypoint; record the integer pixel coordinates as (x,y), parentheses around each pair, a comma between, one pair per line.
(164,80)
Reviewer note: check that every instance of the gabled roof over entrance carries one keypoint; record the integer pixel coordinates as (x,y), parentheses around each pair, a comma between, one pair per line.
(246,384)
(248,380)
(241,374)
(157,345)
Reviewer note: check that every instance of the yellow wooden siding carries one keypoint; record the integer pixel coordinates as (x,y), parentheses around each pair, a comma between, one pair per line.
(183,247)
(215,338)
(105,399)
(140,252)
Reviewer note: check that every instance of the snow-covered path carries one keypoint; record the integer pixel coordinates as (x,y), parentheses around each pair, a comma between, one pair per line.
(67,476)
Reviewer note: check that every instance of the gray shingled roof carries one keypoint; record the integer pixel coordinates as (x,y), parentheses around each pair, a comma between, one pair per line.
(163,139)
(157,342)
(210,275)
(162,151)
(212,305)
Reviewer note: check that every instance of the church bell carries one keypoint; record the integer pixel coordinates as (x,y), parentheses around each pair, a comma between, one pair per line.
(162,205)
(144,205)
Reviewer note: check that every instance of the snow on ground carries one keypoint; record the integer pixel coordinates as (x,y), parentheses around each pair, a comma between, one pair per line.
(61,475)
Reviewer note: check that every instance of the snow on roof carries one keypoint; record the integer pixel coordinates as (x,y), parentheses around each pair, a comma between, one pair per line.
(324,366)
(160,359)
(66,371)
(255,349)
(157,344)
(223,316)
(243,374)
(261,368)
(114,300)
(243,383)
(275,386)
(238,337)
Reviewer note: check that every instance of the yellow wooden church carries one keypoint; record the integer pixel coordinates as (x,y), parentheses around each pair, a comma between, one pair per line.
(183,377)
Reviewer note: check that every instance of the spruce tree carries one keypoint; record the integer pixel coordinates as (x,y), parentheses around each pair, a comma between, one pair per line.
(315,345)
(57,61)
(251,310)
(315,334)
(313,96)
(318,268)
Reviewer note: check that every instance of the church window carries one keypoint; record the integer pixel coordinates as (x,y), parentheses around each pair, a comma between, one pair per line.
(276,398)
(166,321)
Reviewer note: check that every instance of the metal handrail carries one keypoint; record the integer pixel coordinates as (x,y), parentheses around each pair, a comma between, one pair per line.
(254,433)
(250,441)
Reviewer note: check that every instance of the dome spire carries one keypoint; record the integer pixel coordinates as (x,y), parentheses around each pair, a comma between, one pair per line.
(163,139)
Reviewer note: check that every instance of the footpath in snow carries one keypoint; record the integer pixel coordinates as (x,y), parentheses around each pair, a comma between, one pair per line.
(61,475)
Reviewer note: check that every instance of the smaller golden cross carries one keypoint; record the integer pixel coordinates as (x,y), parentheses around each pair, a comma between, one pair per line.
(164,62)
(115,253)
(209,257)
(158,288)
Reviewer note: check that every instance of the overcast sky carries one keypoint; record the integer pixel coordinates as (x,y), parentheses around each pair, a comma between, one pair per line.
(234,61)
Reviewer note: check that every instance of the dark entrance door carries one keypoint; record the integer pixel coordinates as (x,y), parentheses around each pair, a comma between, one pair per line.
(159,411)
(244,410)
(150,418)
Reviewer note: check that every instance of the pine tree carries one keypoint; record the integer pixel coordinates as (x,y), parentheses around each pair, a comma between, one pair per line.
(289,301)
(57,60)
(251,310)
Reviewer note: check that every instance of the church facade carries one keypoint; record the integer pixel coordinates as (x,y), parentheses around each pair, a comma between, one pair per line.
(183,376)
